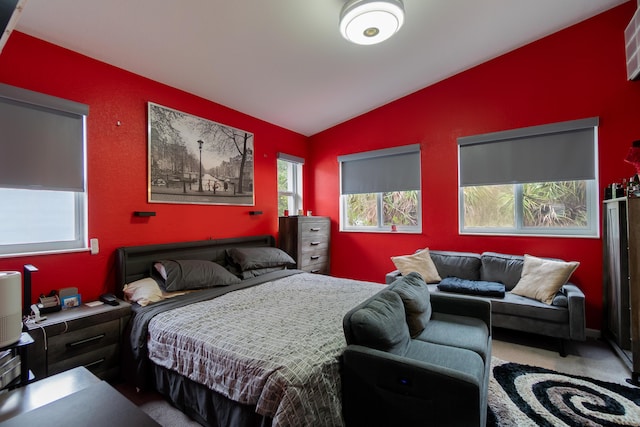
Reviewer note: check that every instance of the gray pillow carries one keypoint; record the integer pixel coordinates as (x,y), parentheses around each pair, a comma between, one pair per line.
(381,324)
(465,265)
(416,298)
(248,274)
(259,257)
(195,274)
(502,268)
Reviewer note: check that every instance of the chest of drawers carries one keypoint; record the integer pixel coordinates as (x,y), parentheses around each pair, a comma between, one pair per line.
(82,336)
(307,240)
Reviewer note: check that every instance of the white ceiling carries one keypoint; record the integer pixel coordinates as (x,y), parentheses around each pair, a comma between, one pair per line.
(284,61)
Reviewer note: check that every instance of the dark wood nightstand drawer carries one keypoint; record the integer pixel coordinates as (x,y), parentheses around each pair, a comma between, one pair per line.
(84,340)
(97,361)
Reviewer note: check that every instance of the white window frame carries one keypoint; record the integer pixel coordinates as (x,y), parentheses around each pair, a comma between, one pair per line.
(294,182)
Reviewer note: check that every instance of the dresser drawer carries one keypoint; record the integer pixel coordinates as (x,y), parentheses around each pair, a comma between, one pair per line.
(318,228)
(83,340)
(312,259)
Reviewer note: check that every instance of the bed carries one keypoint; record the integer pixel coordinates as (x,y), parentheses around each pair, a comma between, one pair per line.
(262,350)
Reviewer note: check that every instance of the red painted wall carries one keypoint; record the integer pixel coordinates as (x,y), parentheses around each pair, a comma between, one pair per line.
(573,74)
(117,163)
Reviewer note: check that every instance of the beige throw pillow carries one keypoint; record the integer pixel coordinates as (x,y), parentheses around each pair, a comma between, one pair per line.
(420,262)
(542,278)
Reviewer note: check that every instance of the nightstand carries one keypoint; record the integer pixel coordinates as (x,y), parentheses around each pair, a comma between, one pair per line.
(80,336)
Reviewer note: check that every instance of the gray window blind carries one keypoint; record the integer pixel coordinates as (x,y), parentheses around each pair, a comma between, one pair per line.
(556,152)
(42,141)
(393,169)
(290,158)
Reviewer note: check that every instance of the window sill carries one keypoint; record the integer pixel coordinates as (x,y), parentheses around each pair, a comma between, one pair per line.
(53,252)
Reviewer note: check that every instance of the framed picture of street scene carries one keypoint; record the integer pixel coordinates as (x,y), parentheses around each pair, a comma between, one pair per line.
(198,161)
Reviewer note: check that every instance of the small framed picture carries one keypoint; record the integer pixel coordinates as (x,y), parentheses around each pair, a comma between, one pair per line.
(70,301)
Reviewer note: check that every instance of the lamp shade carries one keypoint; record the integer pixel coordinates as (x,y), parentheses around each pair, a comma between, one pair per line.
(371,21)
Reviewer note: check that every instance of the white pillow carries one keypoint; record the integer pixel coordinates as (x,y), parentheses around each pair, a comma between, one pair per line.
(541,279)
(146,291)
(420,262)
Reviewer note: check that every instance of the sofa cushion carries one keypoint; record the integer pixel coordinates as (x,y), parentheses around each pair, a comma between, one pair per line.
(457,359)
(458,331)
(542,278)
(381,324)
(416,298)
(502,268)
(472,287)
(519,306)
(420,262)
(465,265)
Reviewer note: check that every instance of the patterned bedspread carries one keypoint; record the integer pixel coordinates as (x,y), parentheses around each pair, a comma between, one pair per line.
(275,345)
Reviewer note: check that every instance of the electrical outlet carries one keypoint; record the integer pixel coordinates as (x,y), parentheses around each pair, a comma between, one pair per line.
(95,248)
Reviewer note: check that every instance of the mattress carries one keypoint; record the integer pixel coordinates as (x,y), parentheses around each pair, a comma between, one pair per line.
(275,345)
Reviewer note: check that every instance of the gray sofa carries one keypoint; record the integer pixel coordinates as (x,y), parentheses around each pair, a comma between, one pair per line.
(563,319)
(413,357)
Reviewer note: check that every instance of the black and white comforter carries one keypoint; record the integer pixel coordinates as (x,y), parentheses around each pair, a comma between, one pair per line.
(275,345)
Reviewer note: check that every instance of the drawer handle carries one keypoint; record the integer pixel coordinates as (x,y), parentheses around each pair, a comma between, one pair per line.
(85,341)
(315,243)
(314,229)
(315,256)
(317,270)
(94,364)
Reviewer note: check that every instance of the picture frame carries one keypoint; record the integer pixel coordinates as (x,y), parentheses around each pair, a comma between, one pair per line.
(193,160)
(71,301)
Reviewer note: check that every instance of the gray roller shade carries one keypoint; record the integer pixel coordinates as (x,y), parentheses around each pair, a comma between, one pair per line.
(393,169)
(556,152)
(42,141)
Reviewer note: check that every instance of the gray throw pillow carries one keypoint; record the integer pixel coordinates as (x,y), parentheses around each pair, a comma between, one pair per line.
(259,257)
(465,265)
(502,268)
(381,324)
(195,274)
(416,298)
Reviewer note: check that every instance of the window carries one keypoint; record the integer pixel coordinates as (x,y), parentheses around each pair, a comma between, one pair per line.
(42,173)
(380,190)
(540,180)
(289,183)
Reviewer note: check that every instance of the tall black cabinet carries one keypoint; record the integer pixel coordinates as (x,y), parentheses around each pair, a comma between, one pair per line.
(621,281)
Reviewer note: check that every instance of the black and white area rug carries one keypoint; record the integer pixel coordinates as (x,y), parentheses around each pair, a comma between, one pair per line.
(521,395)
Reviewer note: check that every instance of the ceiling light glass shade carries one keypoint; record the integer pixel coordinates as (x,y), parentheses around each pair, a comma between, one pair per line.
(371,21)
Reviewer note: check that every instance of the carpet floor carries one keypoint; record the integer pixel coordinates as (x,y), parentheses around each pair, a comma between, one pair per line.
(522,395)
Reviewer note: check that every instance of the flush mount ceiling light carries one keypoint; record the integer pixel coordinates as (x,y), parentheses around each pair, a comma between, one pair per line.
(371,21)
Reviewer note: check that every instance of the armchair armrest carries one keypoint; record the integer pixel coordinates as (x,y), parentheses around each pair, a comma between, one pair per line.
(577,320)
(391,277)
(463,306)
(376,383)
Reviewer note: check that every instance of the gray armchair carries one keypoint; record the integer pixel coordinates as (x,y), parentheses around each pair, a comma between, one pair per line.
(415,359)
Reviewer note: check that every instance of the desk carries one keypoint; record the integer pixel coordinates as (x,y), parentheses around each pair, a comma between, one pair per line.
(74,398)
